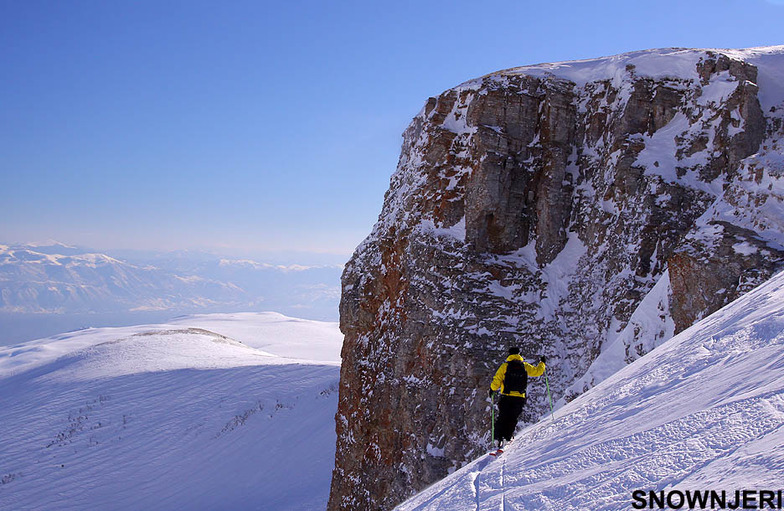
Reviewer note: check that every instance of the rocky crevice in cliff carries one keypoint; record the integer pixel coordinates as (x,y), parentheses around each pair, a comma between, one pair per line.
(565,208)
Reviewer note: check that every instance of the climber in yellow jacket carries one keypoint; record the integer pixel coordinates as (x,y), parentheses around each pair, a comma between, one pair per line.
(511,381)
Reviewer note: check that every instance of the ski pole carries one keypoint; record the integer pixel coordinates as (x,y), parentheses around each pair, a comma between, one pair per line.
(492,420)
(552,414)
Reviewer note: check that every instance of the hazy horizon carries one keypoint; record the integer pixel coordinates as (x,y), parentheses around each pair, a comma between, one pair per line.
(50,289)
(282,257)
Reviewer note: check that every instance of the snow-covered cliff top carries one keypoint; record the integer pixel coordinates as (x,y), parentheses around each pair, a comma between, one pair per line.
(659,64)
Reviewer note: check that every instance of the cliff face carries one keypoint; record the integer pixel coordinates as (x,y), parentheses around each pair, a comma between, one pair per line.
(578,210)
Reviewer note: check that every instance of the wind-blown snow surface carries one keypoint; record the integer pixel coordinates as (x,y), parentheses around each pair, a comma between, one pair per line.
(219,411)
(704,411)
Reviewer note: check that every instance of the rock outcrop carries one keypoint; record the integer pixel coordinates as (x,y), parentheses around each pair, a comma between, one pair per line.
(584,210)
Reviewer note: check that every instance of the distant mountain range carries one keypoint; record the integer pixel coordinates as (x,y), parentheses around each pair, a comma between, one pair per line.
(62,279)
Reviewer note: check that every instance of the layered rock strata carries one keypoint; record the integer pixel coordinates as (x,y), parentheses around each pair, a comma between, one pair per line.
(584,210)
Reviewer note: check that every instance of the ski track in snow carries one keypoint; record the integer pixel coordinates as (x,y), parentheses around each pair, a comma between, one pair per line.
(703,411)
(179,416)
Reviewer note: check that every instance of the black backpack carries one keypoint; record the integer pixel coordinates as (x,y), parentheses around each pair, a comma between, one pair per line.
(516,379)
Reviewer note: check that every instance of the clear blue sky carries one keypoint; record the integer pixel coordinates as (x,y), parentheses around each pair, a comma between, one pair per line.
(250,126)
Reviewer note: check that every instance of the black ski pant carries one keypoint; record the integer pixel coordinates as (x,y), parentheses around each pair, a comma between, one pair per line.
(509,410)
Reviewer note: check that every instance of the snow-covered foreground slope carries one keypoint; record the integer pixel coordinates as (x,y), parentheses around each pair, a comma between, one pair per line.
(704,411)
(230,411)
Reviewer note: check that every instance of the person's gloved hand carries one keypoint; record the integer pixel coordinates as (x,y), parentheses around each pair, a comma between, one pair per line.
(490,393)
(542,358)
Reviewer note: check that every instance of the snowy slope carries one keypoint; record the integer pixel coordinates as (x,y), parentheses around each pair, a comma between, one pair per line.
(231,411)
(704,411)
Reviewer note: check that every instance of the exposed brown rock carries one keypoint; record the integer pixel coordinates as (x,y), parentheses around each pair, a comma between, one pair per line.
(525,211)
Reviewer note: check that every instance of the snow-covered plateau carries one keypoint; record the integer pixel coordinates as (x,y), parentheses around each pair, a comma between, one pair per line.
(704,412)
(216,411)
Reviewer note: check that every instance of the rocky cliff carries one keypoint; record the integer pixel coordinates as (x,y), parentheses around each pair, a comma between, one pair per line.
(582,210)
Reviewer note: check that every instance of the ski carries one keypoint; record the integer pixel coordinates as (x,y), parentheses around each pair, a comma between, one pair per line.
(497,452)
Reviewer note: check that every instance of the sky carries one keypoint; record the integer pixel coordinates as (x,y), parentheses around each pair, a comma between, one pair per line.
(248,127)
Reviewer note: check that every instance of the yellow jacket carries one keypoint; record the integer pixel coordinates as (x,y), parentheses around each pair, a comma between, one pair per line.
(498,379)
